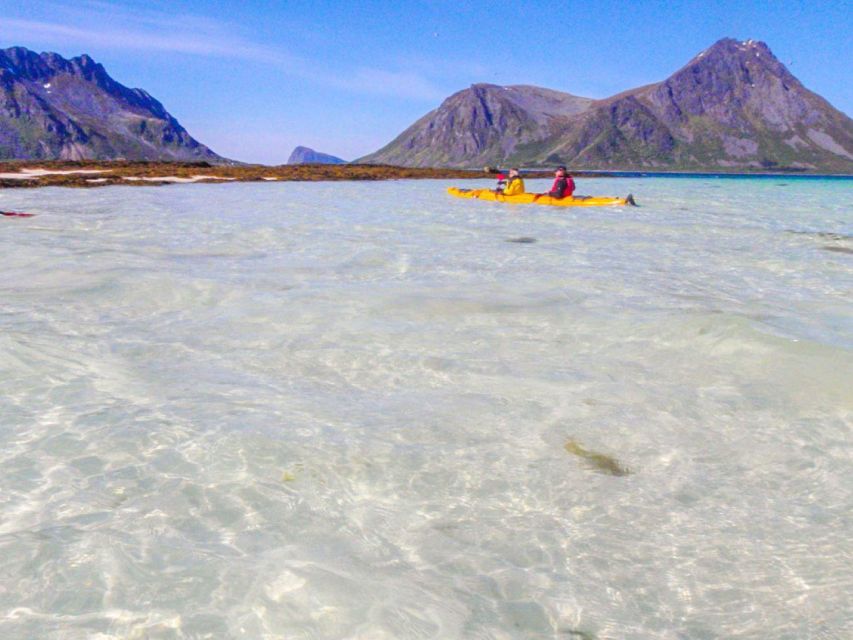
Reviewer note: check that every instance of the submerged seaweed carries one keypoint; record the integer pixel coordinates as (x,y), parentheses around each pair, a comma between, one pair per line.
(823,235)
(598,461)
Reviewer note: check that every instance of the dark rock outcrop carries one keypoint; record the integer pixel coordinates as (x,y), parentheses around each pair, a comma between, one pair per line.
(304,155)
(733,107)
(57,109)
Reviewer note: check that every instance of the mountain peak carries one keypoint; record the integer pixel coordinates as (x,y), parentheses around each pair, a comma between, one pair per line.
(734,84)
(734,47)
(40,66)
(729,51)
(732,44)
(734,105)
(71,109)
(484,124)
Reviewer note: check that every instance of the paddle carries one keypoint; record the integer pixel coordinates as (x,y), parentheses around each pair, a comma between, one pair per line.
(16,214)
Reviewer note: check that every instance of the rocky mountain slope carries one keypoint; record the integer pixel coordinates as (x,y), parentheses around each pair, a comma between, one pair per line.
(480,125)
(733,107)
(304,155)
(52,108)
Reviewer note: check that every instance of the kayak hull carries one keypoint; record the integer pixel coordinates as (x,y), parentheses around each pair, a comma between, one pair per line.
(533,198)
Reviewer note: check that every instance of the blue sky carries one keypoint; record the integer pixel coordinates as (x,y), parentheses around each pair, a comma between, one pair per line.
(253,79)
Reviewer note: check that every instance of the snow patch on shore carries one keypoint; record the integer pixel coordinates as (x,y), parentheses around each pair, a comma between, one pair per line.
(32,174)
(175,179)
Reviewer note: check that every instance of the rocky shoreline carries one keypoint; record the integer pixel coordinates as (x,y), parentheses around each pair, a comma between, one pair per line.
(28,174)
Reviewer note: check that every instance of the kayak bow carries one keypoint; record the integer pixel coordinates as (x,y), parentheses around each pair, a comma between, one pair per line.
(16,214)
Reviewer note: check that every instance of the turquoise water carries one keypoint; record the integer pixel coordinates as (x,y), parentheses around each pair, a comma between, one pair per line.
(370,410)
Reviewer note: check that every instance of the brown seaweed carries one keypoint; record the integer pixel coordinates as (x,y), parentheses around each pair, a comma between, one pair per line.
(597,461)
(837,249)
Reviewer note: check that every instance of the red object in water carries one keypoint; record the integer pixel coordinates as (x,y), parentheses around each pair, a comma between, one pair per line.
(16,214)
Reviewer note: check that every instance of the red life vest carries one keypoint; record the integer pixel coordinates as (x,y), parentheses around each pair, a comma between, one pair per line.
(564,190)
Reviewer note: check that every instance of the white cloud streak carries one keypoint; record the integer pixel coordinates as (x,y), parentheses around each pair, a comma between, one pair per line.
(202,44)
(198,36)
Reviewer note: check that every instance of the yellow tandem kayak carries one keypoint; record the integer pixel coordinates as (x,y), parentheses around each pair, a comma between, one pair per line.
(533,198)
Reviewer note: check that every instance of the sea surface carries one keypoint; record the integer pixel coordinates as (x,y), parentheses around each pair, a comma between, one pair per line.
(373,411)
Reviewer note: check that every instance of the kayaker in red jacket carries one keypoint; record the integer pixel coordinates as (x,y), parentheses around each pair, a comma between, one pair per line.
(564,185)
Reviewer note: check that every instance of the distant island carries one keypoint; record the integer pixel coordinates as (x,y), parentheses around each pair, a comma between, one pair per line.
(304,155)
(734,108)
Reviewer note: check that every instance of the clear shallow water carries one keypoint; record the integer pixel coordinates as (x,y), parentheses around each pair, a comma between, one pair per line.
(269,411)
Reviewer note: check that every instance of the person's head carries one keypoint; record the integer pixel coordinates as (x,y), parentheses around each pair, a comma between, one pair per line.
(561,171)
(513,173)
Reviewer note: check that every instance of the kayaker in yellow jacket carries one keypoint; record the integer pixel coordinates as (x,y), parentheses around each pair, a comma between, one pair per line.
(515,184)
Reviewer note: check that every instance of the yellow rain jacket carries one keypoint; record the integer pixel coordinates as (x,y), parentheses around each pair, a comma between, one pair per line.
(514,187)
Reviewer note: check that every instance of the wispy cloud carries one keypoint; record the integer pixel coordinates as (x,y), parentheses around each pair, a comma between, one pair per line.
(194,43)
(163,32)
